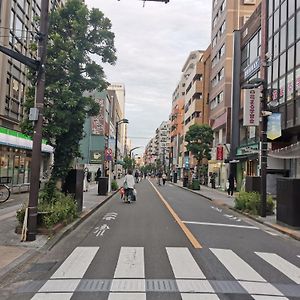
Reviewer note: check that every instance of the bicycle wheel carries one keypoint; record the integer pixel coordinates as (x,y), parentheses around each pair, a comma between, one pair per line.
(4,193)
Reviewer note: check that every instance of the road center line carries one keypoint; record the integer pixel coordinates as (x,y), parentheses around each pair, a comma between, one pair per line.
(187,232)
(220,224)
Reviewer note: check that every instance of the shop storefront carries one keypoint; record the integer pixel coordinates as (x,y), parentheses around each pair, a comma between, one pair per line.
(15,156)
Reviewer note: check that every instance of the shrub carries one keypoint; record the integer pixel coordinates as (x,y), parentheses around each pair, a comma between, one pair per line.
(250,202)
(62,208)
(114,185)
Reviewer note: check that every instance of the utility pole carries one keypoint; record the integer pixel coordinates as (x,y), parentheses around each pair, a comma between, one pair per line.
(37,133)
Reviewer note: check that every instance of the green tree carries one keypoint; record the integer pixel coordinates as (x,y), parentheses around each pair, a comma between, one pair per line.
(199,139)
(129,163)
(75,34)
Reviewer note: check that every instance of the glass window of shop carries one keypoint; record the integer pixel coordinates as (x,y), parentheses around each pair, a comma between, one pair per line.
(15,163)
(291,7)
(291,31)
(283,38)
(283,11)
(291,58)
(282,64)
(298,24)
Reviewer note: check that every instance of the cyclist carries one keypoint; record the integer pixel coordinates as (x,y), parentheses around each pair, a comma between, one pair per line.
(128,186)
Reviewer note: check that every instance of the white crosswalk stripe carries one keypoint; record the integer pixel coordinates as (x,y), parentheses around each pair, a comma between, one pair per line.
(67,277)
(282,265)
(129,275)
(247,277)
(129,280)
(185,267)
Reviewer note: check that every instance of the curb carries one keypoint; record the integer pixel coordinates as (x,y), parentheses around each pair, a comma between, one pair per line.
(270,225)
(19,262)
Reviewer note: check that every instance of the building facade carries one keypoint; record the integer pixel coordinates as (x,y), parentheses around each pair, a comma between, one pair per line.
(227,16)
(18,30)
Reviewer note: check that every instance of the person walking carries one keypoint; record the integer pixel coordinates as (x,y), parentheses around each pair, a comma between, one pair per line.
(128,185)
(231,185)
(136,175)
(159,176)
(164,178)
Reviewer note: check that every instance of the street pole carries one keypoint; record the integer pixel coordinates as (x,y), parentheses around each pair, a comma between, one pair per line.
(263,153)
(116,150)
(37,133)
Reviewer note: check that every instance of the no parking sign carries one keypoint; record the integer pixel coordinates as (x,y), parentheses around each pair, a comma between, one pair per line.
(108,154)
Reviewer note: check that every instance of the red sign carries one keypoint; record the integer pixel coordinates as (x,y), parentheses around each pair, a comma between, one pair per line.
(220,152)
(108,154)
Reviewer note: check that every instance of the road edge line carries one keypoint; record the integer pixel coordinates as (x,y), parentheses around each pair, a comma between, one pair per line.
(184,228)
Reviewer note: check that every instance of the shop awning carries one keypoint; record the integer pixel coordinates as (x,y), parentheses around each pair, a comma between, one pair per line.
(289,152)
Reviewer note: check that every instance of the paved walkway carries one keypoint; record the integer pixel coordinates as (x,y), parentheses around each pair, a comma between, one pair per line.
(221,198)
(14,252)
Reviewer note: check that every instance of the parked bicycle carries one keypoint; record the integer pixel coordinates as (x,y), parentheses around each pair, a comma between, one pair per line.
(4,193)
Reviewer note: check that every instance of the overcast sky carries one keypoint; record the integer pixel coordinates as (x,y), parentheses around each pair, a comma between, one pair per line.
(152,45)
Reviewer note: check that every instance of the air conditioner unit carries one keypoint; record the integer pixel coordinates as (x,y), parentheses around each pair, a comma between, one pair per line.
(249,1)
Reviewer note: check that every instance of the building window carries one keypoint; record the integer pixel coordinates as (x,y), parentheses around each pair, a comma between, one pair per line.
(291,7)
(291,58)
(283,38)
(291,31)
(283,13)
(282,64)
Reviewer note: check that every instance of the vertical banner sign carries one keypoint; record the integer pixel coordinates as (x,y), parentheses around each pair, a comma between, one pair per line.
(97,122)
(220,152)
(274,126)
(251,107)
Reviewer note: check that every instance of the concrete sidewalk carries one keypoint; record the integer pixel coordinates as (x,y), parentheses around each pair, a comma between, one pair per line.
(14,252)
(221,198)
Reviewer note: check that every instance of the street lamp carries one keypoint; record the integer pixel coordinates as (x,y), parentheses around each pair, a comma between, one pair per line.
(130,151)
(122,121)
(255,83)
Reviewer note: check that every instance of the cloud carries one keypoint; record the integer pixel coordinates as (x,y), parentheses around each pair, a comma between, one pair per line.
(152,45)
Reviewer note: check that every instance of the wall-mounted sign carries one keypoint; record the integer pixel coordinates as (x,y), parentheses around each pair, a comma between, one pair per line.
(251,107)
(220,152)
(97,122)
(96,157)
(274,126)
(252,69)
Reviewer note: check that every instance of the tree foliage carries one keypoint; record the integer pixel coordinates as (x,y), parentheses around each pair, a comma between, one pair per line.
(199,139)
(75,33)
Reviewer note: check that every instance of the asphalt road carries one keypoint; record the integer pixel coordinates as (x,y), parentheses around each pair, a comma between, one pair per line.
(170,244)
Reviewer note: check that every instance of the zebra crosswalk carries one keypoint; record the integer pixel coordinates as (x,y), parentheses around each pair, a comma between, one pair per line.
(129,279)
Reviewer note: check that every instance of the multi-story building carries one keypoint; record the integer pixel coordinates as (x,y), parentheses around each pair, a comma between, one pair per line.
(162,141)
(227,16)
(268,51)
(150,154)
(18,27)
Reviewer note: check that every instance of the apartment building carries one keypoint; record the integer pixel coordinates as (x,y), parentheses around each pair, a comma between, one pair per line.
(18,27)
(227,16)
(162,141)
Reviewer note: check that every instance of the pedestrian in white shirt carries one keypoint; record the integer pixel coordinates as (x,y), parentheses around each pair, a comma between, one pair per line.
(128,185)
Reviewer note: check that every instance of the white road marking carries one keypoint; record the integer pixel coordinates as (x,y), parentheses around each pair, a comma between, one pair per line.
(244,273)
(194,286)
(237,267)
(298,256)
(259,297)
(130,263)
(65,285)
(285,267)
(271,233)
(51,296)
(185,267)
(77,263)
(199,296)
(128,285)
(127,296)
(220,224)
(183,264)
(260,288)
